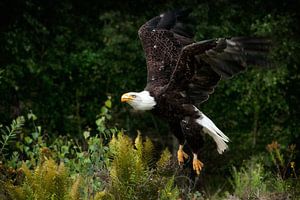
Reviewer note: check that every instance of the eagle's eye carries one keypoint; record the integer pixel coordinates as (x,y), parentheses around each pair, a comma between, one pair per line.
(133,96)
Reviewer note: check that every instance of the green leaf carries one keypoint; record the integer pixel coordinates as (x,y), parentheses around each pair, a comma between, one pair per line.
(92,147)
(28,140)
(39,129)
(65,149)
(87,161)
(108,103)
(4,137)
(100,121)
(26,148)
(35,135)
(104,110)
(31,116)
(86,134)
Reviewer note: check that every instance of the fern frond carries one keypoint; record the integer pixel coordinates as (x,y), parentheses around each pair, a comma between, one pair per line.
(138,143)
(14,192)
(148,153)
(140,164)
(165,160)
(10,134)
(61,182)
(132,176)
(112,143)
(101,196)
(169,192)
(74,193)
(124,157)
(47,181)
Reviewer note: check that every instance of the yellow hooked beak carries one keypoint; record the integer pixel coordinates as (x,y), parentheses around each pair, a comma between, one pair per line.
(126,97)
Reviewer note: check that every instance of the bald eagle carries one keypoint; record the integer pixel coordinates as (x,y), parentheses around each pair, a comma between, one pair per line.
(182,73)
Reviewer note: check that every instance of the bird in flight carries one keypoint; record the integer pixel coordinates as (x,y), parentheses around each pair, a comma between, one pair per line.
(182,73)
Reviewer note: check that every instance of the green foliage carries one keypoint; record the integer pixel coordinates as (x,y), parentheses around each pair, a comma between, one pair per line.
(132,176)
(91,164)
(47,181)
(132,173)
(27,144)
(103,118)
(253,181)
(169,192)
(90,159)
(9,134)
(283,159)
(129,170)
(248,183)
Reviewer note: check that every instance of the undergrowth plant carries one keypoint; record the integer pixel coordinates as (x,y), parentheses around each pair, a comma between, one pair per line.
(256,178)
(47,181)
(9,134)
(91,163)
(134,174)
(87,156)
(89,169)
(283,159)
(95,167)
(249,181)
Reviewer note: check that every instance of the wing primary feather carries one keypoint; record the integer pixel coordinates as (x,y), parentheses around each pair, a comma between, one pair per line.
(231,56)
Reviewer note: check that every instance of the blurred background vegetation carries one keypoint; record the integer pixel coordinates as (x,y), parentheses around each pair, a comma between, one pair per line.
(60,60)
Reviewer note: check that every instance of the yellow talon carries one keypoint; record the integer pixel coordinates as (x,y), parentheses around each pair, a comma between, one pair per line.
(181,155)
(197,164)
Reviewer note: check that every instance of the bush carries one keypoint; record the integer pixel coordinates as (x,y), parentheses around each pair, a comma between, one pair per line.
(255,181)
(134,175)
(47,181)
(93,170)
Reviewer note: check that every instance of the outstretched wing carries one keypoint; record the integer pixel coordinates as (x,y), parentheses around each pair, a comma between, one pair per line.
(163,38)
(201,65)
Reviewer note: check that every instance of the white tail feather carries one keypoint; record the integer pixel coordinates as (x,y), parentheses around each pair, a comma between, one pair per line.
(211,129)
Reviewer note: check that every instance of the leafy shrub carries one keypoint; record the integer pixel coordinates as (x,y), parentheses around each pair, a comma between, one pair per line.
(9,134)
(121,170)
(89,157)
(47,181)
(253,181)
(249,181)
(283,159)
(133,175)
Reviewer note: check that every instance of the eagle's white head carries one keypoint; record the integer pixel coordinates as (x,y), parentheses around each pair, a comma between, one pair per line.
(139,100)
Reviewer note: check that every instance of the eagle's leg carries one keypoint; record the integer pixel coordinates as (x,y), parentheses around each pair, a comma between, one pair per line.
(181,155)
(197,164)
(177,131)
(194,139)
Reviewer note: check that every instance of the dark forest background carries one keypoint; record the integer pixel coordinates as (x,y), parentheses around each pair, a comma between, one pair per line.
(61,60)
